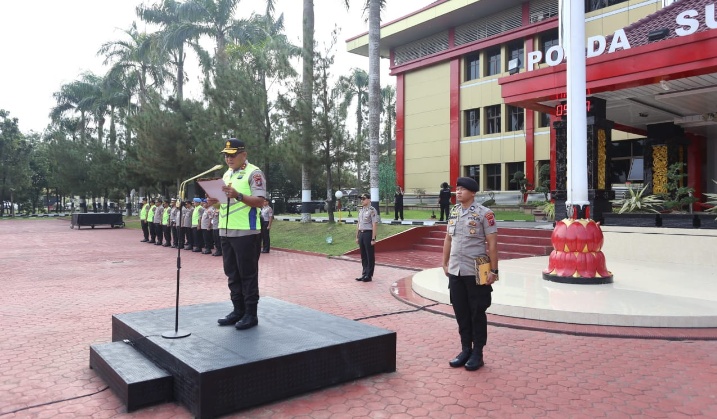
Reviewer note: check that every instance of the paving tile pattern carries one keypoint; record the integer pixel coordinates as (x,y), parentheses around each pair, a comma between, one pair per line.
(60,288)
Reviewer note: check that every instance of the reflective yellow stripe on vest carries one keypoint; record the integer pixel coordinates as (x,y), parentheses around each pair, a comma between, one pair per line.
(239,215)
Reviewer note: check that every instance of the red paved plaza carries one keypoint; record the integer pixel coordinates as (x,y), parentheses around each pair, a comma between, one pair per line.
(60,288)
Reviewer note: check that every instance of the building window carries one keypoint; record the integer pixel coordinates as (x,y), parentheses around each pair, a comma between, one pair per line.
(493,61)
(515,50)
(591,5)
(472,66)
(472,117)
(492,116)
(544,120)
(473,172)
(515,118)
(492,175)
(511,169)
(548,40)
(627,161)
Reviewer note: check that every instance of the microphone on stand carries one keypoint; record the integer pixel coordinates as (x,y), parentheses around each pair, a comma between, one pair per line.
(176,333)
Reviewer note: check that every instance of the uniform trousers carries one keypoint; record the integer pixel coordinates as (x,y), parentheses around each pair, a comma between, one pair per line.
(197,236)
(145,229)
(444,210)
(265,239)
(368,258)
(241,266)
(152,231)
(160,232)
(217,241)
(208,236)
(398,211)
(167,234)
(470,301)
(175,235)
(187,238)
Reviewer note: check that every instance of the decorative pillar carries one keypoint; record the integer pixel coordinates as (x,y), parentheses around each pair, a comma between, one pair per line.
(577,256)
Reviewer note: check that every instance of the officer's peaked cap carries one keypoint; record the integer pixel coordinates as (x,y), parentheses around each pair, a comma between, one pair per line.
(233,146)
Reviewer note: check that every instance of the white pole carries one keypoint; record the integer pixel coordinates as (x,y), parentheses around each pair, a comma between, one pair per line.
(577,176)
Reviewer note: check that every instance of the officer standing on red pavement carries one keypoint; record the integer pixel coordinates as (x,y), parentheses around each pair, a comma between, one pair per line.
(240,229)
(143,220)
(366,234)
(472,233)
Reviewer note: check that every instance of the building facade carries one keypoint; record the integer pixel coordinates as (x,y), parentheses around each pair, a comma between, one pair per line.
(481,84)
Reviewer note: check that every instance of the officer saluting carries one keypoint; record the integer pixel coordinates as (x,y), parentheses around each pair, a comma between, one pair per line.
(239,229)
(366,237)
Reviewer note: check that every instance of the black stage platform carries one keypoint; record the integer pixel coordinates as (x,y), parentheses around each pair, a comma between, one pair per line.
(219,370)
(113,219)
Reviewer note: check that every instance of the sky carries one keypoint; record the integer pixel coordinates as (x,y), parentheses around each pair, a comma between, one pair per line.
(48,43)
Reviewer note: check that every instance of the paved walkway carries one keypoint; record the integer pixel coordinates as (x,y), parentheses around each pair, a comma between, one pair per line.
(60,288)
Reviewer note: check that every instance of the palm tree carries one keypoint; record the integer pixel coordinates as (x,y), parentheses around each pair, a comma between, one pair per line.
(355,86)
(214,18)
(173,36)
(139,59)
(86,97)
(388,109)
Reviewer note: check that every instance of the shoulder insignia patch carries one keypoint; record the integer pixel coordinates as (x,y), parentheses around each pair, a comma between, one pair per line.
(258,180)
(490,217)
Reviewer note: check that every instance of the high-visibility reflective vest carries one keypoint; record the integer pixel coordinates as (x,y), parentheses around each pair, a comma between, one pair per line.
(239,215)
(196,214)
(165,217)
(150,213)
(143,212)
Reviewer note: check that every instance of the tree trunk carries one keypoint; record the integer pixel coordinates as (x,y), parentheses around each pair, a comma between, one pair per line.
(307,93)
(374,96)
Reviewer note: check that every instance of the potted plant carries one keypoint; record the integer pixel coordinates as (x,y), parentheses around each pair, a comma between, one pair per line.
(523,184)
(638,209)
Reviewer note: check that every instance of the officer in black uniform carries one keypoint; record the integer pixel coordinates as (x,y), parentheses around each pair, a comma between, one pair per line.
(444,200)
(366,237)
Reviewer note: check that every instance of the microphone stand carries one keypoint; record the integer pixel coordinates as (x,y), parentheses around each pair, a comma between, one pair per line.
(176,333)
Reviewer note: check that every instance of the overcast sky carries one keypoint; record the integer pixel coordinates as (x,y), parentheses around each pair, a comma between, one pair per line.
(47,43)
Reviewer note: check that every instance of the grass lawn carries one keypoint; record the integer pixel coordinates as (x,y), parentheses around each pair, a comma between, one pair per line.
(330,239)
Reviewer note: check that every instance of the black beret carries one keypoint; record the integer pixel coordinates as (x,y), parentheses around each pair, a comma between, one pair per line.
(468,183)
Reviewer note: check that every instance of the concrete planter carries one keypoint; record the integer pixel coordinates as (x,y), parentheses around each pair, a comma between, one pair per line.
(670,220)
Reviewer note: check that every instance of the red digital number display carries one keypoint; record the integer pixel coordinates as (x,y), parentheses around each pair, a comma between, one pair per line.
(562,109)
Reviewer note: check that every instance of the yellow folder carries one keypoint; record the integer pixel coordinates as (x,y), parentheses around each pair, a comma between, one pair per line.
(482,269)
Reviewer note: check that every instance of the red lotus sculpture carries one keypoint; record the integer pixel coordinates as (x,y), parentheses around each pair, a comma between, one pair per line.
(577,257)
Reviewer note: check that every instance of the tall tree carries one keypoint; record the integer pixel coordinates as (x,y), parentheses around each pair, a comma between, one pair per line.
(14,156)
(306,107)
(355,86)
(138,58)
(374,95)
(388,110)
(173,36)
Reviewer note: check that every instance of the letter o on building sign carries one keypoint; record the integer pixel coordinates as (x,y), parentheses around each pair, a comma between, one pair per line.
(554,55)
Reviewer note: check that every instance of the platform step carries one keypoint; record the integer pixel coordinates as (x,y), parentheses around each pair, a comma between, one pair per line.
(136,380)
(428,247)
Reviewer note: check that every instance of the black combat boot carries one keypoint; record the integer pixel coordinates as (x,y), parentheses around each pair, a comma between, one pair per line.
(461,358)
(234,316)
(249,320)
(476,359)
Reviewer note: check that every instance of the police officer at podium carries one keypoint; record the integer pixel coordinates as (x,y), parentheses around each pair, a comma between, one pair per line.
(240,233)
